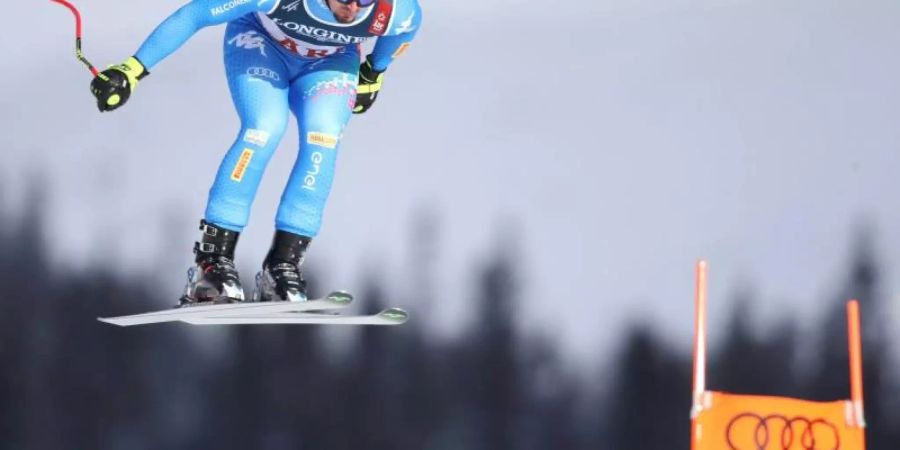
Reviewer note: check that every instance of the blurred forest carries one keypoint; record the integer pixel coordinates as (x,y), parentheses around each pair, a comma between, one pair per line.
(70,382)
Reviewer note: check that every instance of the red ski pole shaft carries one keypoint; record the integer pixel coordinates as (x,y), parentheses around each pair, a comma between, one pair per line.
(78,53)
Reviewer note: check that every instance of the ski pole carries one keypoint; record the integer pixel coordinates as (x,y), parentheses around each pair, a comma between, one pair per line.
(78,53)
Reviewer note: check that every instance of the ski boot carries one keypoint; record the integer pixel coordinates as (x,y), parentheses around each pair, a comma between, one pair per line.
(214,278)
(281,278)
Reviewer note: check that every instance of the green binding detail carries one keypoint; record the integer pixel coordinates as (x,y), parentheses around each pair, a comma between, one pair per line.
(395,314)
(340,297)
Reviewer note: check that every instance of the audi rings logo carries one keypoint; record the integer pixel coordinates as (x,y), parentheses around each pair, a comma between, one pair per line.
(263,72)
(750,431)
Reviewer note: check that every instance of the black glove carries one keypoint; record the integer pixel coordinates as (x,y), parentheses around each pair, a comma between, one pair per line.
(368,86)
(113,86)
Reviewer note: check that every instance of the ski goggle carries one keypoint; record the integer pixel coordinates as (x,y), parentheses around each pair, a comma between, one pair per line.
(361,3)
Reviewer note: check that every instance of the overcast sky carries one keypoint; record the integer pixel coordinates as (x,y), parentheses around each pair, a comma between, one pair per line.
(626,139)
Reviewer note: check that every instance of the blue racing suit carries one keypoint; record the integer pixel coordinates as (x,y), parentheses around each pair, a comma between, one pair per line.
(281,56)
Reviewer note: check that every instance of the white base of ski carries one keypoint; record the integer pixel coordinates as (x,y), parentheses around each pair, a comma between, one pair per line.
(318,311)
(393,316)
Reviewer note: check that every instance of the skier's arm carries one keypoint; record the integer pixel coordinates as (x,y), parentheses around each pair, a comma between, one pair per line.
(114,86)
(388,47)
(180,26)
(398,38)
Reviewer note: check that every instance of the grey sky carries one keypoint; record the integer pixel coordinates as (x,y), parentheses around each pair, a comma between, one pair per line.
(630,138)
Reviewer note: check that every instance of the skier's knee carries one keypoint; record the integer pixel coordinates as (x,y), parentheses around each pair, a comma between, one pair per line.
(263,133)
(321,134)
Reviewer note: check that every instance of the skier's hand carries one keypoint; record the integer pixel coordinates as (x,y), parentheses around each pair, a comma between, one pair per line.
(368,87)
(113,86)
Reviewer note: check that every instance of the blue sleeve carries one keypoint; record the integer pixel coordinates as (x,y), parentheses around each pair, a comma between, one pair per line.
(404,26)
(180,26)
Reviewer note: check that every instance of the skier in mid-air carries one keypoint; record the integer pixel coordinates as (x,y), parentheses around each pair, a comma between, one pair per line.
(302,56)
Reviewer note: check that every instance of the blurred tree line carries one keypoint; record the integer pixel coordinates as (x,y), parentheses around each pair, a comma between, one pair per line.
(70,382)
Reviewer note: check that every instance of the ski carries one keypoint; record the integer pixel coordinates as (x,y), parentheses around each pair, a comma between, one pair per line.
(388,317)
(334,300)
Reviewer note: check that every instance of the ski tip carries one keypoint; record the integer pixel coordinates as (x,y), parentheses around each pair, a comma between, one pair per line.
(340,297)
(396,316)
(111,321)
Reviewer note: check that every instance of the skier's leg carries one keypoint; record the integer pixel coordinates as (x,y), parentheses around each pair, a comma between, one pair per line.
(258,81)
(322,99)
(257,78)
